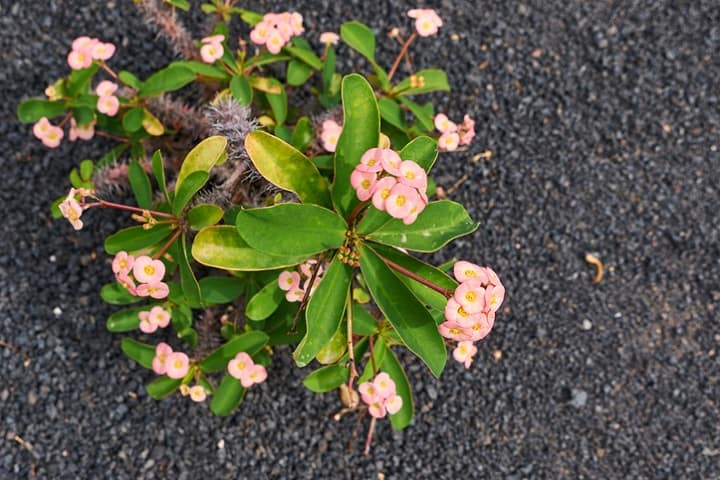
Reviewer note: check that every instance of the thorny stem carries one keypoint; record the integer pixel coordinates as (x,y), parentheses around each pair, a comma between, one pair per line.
(402,53)
(165,247)
(128,208)
(370,434)
(444,291)
(306,297)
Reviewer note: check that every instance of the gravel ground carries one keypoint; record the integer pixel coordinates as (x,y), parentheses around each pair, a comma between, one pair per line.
(603,122)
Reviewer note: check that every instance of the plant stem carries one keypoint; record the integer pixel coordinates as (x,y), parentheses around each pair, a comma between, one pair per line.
(372,355)
(370,434)
(356,211)
(402,53)
(128,208)
(306,297)
(167,246)
(444,291)
(100,133)
(350,346)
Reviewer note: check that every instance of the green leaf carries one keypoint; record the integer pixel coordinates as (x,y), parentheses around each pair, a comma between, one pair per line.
(223,247)
(217,290)
(298,73)
(133,118)
(158,168)
(265,302)
(168,79)
(438,224)
(361,131)
(325,311)
(241,90)
(391,112)
(32,110)
(392,367)
(181,4)
(278,104)
(302,136)
(87,167)
(360,38)
(227,397)
(327,378)
(422,150)
(250,342)
(188,282)
(190,186)
(135,238)
(116,294)
(434,80)
(83,115)
(204,215)
(248,16)
(79,80)
(425,294)
(163,387)
(112,156)
(308,57)
(202,69)
(409,318)
(423,114)
(124,320)
(202,158)
(129,79)
(329,68)
(140,184)
(363,323)
(142,353)
(287,168)
(323,162)
(314,229)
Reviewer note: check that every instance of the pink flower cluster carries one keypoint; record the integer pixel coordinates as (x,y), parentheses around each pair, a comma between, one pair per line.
(330,134)
(49,134)
(86,49)
(146,271)
(83,132)
(330,38)
(470,313)
(380,396)
(427,21)
(246,370)
(197,393)
(276,29)
(290,282)
(173,364)
(71,209)
(452,134)
(156,317)
(107,103)
(396,186)
(212,48)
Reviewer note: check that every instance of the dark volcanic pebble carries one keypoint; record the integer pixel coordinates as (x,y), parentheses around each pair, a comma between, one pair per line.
(603,122)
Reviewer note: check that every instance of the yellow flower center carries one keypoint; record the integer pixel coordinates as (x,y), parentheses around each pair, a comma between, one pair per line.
(410,175)
(400,201)
(470,296)
(365,184)
(178,364)
(463,349)
(371,162)
(493,299)
(455,331)
(161,357)
(385,193)
(240,365)
(123,264)
(52,135)
(72,215)
(470,273)
(149,270)
(461,311)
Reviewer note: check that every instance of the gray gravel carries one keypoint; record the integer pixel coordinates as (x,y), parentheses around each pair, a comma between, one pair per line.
(603,122)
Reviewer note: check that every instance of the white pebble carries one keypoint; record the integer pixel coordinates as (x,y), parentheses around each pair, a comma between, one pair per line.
(57,311)
(221,444)
(53,258)
(586,324)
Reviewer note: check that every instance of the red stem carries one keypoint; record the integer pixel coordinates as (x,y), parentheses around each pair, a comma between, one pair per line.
(128,208)
(444,291)
(402,53)
(165,247)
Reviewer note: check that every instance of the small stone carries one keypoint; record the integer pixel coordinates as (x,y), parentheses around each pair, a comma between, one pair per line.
(586,324)
(579,398)
(32,397)
(57,311)
(221,444)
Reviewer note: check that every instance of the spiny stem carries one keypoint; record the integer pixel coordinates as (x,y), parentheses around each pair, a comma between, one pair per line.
(165,247)
(402,53)
(444,291)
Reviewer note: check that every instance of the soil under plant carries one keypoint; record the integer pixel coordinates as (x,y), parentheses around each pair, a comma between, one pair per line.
(602,124)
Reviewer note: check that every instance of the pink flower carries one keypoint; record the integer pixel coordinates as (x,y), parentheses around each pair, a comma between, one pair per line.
(467,130)
(146,324)
(402,199)
(455,332)
(83,132)
(330,135)
(363,183)
(108,105)
(211,52)
(492,277)
(102,51)
(122,263)
(464,271)
(307,267)
(162,350)
(157,290)
(377,408)
(285,29)
(255,374)
(464,353)
(213,39)
(391,161)
(481,328)
(382,191)
(329,38)
(443,124)
(393,404)
(84,44)
(288,281)
(197,393)
(295,295)
(261,32)
(368,392)
(455,313)
(296,21)
(427,21)
(159,316)
(494,296)
(71,209)
(240,365)
(384,385)
(106,88)
(471,295)
(79,60)
(127,283)
(275,41)
(147,270)
(41,128)
(372,160)
(413,175)
(177,365)
(449,141)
